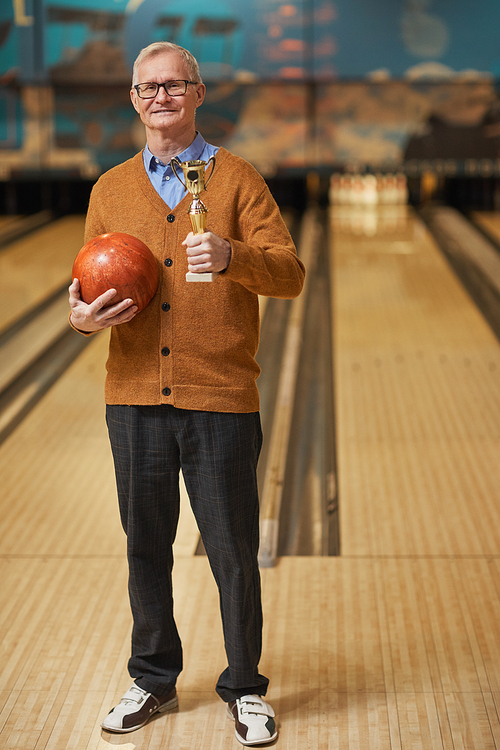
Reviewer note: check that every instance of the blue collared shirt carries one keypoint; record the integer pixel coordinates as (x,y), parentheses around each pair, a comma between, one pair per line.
(162,177)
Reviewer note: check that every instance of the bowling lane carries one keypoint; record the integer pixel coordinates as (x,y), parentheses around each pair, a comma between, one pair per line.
(417,394)
(57,471)
(33,267)
(414,626)
(489,221)
(6,220)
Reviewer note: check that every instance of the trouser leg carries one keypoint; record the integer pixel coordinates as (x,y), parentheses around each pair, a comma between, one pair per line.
(146,458)
(219,455)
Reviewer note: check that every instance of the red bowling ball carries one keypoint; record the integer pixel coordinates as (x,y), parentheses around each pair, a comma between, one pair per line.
(116,261)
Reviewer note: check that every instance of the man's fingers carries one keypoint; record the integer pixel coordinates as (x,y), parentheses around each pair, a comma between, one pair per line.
(125,305)
(200,257)
(100,313)
(193,248)
(192,240)
(74,291)
(125,316)
(97,304)
(103,299)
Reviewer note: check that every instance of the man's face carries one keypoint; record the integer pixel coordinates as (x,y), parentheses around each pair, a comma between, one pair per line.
(173,116)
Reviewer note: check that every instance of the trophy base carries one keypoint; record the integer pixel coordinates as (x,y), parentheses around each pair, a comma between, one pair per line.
(190,276)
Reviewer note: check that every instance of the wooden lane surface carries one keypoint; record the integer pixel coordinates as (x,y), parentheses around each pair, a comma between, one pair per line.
(488,220)
(417,397)
(21,350)
(396,656)
(6,220)
(36,265)
(58,494)
(377,650)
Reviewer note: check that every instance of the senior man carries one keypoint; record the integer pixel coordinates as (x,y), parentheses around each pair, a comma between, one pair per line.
(181,387)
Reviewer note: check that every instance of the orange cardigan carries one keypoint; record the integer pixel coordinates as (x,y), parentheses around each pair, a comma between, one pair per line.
(211,330)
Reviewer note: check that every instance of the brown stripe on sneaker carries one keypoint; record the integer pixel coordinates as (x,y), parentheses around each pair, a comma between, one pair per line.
(242,729)
(150,707)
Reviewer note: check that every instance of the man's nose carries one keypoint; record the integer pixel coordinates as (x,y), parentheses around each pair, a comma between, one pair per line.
(162,92)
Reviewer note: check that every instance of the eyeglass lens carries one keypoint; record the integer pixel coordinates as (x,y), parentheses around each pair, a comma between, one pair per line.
(150,90)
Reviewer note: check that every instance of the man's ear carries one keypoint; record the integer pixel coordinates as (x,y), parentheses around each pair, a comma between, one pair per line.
(200,94)
(133,97)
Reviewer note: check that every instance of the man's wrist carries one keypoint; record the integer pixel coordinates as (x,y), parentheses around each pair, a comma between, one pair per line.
(230,253)
(78,330)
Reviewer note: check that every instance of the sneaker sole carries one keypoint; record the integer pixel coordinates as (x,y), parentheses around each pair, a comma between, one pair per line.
(165,707)
(246,742)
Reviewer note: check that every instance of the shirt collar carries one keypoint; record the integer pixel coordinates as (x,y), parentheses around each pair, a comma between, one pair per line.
(192,152)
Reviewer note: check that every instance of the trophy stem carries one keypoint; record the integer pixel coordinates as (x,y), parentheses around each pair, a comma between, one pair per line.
(198,215)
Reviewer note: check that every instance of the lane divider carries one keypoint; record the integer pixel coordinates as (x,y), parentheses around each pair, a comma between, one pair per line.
(272,492)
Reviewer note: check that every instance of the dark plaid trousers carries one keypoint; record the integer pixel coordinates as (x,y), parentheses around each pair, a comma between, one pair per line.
(218,454)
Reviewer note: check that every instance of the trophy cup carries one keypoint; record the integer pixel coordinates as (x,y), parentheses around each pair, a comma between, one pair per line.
(195,183)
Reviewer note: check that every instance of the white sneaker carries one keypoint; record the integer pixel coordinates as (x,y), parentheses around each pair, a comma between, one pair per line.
(254,720)
(136,708)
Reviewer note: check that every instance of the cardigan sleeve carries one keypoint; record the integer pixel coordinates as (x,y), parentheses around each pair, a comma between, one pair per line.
(263,258)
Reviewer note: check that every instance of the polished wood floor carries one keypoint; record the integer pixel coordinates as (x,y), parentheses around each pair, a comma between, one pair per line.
(394,645)
(36,265)
(489,221)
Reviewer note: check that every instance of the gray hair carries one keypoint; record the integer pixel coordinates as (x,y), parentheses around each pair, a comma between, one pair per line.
(157,48)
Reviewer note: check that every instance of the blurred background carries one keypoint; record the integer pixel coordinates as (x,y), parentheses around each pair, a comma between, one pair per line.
(396,86)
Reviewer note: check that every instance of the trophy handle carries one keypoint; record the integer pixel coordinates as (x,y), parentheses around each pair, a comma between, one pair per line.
(212,159)
(173,162)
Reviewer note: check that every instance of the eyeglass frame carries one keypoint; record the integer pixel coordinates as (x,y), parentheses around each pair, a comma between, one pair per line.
(164,84)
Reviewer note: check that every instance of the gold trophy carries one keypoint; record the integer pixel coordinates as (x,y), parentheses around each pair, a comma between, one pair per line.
(195,183)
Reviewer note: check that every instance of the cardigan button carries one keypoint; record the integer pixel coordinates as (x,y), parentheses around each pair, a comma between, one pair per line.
(166,391)
(165,307)
(170,218)
(165,351)
(168,262)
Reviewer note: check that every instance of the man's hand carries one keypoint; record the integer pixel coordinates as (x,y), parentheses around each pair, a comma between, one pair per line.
(207,253)
(93,317)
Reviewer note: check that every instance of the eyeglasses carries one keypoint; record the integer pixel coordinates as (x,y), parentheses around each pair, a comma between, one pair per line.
(173,88)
